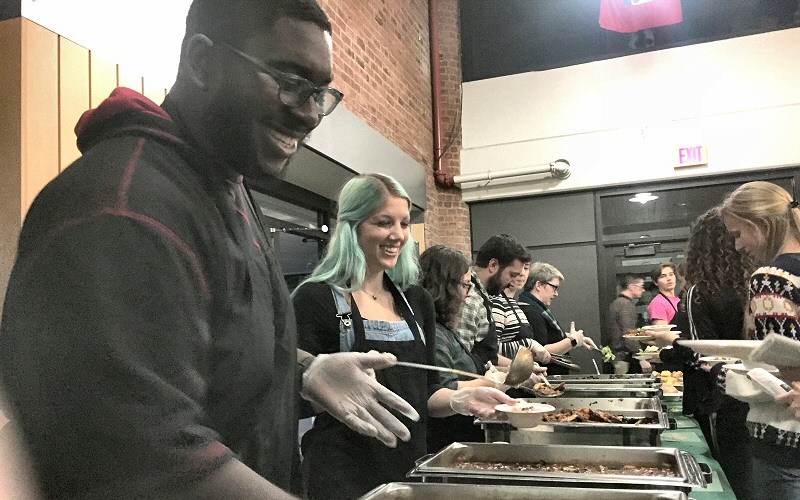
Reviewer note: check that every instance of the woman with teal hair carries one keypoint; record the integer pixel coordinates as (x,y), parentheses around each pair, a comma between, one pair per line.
(363,297)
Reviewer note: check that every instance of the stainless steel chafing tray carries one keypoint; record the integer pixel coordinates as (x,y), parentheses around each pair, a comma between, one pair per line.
(610,390)
(443,466)
(589,433)
(628,380)
(438,491)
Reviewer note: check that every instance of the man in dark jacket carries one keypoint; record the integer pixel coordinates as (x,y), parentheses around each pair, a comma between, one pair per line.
(148,346)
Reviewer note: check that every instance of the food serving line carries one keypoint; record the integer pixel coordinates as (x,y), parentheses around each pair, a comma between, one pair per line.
(573,459)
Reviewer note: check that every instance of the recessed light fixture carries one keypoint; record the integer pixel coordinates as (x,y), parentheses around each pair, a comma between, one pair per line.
(643,198)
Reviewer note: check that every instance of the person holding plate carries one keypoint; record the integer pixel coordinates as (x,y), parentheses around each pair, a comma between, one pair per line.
(764,221)
(712,308)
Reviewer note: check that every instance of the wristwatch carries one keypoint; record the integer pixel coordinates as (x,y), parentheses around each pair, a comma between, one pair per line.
(573,341)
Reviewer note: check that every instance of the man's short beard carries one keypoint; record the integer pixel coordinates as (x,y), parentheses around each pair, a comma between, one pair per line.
(495,286)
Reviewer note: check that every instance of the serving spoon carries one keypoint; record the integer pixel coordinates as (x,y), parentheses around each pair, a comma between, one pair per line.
(519,371)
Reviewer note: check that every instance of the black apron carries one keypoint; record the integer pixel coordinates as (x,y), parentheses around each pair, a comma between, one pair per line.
(342,464)
(443,431)
(486,349)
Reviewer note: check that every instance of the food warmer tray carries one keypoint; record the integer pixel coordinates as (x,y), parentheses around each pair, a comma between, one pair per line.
(610,391)
(590,433)
(630,380)
(438,491)
(442,466)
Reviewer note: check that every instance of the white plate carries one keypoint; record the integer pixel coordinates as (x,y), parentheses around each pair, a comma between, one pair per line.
(638,337)
(718,359)
(646,355)
(523,406)
(741,368)
(525,414)
(726,348)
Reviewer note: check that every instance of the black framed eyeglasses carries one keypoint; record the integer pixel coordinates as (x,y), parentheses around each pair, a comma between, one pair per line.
(294,90)
(466,285)
(555,287)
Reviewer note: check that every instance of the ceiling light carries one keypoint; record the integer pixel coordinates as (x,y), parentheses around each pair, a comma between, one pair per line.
(643,198)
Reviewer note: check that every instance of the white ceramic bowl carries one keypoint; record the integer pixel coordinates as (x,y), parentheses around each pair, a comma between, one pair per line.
(525,414)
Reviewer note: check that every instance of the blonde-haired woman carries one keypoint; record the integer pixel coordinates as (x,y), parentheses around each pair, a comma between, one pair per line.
(764,221)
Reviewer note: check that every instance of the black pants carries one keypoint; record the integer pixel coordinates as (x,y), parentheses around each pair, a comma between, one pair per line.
(732,445)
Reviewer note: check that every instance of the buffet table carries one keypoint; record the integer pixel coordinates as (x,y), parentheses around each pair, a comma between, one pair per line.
(689,438)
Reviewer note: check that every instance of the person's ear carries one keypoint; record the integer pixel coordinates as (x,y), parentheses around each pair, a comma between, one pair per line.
(198,60)
(493,266)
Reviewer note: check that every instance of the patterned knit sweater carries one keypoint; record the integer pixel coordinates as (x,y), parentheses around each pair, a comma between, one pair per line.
(774,308)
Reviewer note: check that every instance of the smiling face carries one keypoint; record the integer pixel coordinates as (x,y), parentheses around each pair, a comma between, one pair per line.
(250,127)
(518,283)
(746,236)
(384,233)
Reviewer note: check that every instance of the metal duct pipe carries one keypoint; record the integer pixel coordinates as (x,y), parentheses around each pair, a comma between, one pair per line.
(558,169)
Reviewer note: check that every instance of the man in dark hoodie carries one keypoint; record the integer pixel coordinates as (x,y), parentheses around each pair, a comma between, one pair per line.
(148,346)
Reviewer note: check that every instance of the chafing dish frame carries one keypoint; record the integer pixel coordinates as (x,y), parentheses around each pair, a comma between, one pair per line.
(594,433)
(438,467)
(436,491)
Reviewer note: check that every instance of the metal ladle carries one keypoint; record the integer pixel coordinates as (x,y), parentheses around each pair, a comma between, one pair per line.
(521,367)
(519,371)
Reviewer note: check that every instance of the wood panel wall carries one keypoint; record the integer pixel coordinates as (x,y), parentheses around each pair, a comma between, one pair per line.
(46,83)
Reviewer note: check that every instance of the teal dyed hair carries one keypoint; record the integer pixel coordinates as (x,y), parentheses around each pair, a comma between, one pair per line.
(344,264)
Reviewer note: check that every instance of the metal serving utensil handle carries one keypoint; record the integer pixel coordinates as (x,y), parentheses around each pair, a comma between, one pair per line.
(437,369)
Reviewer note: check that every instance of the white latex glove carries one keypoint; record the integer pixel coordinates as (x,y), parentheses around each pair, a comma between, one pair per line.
(478,401)
(540,354)
(344,385)
(583,340)
(538,376)
(496,376)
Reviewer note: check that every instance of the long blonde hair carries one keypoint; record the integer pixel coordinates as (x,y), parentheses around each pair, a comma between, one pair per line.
(769,210)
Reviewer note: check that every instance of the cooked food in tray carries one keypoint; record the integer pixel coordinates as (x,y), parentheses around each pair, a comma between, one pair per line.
(548,391)
(590,415)
(665,470)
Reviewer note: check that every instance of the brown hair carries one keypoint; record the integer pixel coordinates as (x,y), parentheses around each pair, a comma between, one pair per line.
(656,272)
(712,259)
(441,270)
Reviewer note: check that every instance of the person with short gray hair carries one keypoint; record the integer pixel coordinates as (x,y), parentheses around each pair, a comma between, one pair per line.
(540,290)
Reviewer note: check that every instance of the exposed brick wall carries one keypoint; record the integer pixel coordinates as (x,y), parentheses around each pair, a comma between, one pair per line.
(381,51)
(447,217)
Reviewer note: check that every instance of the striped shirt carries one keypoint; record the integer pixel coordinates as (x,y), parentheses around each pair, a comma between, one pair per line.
(508,321)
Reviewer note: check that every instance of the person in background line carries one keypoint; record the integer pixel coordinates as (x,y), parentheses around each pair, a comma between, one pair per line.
(622,318)
(511,324)
(716,278)
(363,296)
(664,305)
(764,221)
(148,344)
(445,274)
(499,260)
(540,290)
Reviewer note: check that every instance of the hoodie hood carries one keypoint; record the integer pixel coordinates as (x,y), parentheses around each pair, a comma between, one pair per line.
(124,112)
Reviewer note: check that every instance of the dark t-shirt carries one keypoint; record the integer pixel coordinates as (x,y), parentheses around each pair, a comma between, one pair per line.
(144,340)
